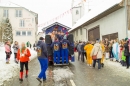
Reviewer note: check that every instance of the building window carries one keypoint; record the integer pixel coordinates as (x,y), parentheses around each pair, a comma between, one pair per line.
(29,33)
(22,23)
(18,33)
(5,13)
(81,31)
(77,12)
(23,33)
(18,13)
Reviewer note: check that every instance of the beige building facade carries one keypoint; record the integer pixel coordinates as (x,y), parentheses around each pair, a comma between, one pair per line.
(24,23)
(110,23)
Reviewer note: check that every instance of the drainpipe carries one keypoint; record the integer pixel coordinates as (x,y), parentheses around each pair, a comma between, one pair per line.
(126,18)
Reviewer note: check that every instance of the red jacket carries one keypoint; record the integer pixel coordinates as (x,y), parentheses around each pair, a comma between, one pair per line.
(23,57)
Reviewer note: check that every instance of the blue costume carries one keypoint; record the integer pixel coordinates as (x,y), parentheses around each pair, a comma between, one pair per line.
(56,48)
(115,51)
(65,51)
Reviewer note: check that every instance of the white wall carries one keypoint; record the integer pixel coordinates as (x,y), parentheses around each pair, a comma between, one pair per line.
(30,24)
(112,23)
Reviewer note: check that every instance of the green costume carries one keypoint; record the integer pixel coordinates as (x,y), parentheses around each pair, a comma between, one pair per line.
(123,57)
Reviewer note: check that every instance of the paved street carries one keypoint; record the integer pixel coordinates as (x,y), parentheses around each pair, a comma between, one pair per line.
(113,74)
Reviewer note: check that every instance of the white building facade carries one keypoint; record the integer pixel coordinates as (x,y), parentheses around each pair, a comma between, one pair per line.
(24,23)
(110,24)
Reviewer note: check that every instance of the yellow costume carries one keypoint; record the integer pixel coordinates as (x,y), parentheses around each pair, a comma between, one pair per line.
(103,50)
(88,48)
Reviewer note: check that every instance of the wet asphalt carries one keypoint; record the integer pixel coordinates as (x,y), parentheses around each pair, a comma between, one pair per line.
(110,75)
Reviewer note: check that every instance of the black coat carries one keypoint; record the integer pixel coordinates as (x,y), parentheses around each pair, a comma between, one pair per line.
(126,51)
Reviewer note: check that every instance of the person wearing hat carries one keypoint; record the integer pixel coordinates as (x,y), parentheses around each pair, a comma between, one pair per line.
(65,44)
(42,58)
(88,48)
(126,52)
(97,50)
(56,49)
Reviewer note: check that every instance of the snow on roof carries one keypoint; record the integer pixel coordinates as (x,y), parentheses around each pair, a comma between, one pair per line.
(8,4)
(93,13)
(77,3)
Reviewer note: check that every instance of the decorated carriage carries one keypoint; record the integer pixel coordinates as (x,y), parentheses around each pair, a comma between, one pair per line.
(50,37)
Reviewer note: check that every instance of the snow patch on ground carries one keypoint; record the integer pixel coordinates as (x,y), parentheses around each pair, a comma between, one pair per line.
(62,74)
(118,66)
(9,71)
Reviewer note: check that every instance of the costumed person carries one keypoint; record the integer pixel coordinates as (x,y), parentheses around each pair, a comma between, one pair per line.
(106,48)
(28,44)
(42,57)
(23,56)
(65,52)
(123,59)
(126,52)
(7,51)
(110,48)
(88,48)
(103,50)
(56,50)
(115,50)
(120,49)
(97,50)
(15,47)
(53,35)
(83,51)
(79,51)
(34,45)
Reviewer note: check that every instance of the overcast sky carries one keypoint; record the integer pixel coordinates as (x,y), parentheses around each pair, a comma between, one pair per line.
(49,9)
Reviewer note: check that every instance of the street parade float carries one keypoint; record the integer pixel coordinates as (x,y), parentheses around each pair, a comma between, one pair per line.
(59,31)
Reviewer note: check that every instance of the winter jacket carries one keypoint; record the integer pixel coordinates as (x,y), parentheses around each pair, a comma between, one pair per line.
(97,50)
(88,48)
(15,47)
(79,47)
(43,49)
(82,47)
(22,56)
(126,51)
(56,46)
(7,48)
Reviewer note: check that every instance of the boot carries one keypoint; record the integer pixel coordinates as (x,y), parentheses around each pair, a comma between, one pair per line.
(39,80)
(26,74)
(21,76)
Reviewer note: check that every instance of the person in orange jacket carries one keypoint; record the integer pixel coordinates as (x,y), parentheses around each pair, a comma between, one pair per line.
(23,56)
(88,48)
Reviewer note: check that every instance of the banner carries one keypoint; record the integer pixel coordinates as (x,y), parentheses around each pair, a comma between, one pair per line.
(60,16)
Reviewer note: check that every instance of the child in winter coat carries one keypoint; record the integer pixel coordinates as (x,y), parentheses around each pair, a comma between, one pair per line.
(15,47)
(7,51)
